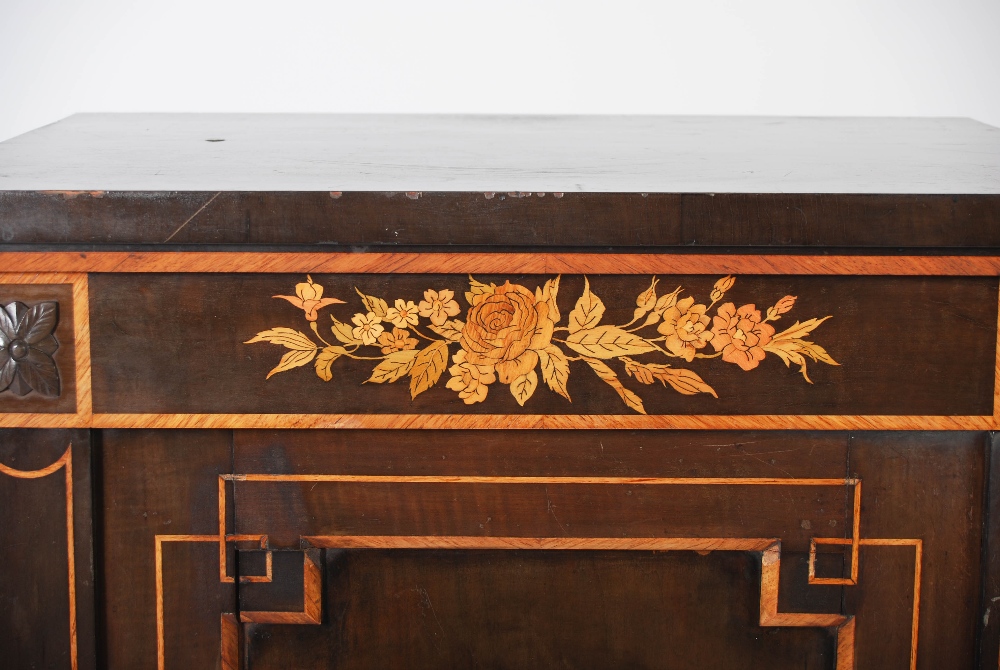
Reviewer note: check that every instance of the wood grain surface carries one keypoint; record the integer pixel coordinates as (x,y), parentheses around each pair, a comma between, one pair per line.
(47,595)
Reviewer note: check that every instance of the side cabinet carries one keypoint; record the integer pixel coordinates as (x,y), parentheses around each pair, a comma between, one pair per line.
(454,392)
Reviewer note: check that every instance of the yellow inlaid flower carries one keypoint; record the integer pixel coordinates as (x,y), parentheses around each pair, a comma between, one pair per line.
(470,380)
(402,314)
(439,305)
(685,328)
(368,327)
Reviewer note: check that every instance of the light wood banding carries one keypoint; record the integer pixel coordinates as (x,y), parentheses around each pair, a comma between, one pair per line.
(498,263)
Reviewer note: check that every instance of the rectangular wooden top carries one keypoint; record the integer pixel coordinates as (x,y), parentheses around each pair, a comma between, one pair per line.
(421,153)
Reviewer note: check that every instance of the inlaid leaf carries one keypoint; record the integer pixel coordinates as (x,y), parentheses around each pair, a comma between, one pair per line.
(686,382)
(683,381)
(588,310)
(609,376)
(395,366)
(450,330)
(292,359)
(555,369)
(799,330)
(325,359)
(39,322)
(548,295)
(524,386)
(344,332)
(38,370)
(477,288)
(286,337)
(428,365)
(608,342)
(375,305)
(794,351)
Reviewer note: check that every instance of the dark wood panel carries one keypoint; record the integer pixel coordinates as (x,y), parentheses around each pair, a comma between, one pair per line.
(905,346)
(927,486)
(47,613)
(432,609)
(163,484)
(920,533)
(444,220)
(988,620)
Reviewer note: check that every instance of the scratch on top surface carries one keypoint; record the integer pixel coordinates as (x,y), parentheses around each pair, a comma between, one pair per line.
(191,218)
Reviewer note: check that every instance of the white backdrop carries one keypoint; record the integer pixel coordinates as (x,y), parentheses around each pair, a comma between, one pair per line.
(863,57)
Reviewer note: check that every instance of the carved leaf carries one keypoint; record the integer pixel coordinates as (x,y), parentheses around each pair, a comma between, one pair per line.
(427,367)
(292,359)
(609,376)
(325,359)
(375,305)
(8,328)
(524,386)
(555,369)
(39,372)
(344,332)
(7,371)
(477,288)
(395,366)
(39,322)
(286,337)
(450,330)
(607,342)
(588,310)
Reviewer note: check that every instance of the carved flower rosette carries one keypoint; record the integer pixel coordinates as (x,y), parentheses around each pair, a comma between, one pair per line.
(512,336)
(27,344)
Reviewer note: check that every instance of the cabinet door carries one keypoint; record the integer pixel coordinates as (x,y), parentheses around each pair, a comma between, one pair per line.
(46,550)
(591,549)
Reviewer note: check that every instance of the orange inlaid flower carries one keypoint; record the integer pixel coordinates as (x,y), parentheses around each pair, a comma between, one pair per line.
(398,340)
(740,335)
(309,298)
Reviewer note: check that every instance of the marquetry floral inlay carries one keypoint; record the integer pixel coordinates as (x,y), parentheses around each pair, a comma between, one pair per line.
(510,335)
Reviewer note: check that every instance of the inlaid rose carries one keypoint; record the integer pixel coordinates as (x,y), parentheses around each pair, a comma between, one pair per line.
(741,335)
(504,327)
(685,328)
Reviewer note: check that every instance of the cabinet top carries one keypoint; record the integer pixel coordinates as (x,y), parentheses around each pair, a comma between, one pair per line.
(439,153)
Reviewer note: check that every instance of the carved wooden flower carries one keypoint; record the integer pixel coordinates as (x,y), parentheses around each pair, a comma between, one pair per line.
(26,348)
